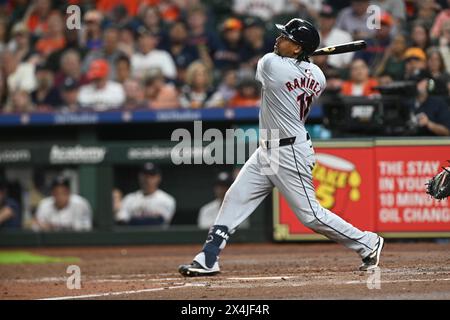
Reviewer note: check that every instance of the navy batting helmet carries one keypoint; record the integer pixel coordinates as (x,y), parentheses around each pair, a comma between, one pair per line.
(303,33)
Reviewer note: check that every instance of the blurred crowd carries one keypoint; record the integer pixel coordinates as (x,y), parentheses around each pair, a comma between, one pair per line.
(156,54)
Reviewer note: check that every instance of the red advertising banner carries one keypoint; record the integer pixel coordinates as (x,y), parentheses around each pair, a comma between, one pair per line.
(344,180)
(377,188)
(402,204)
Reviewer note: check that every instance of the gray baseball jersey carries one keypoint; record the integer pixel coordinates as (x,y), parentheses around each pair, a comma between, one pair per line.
(289,87)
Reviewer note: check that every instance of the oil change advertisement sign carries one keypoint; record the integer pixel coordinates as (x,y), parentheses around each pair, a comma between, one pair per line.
(378,188)
(402,204)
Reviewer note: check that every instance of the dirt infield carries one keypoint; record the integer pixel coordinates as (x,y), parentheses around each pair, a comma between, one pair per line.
(250,271)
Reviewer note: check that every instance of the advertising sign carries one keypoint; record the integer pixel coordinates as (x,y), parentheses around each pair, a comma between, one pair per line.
(381,188)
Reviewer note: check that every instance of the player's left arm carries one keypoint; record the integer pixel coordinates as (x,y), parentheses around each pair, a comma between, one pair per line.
(264,68)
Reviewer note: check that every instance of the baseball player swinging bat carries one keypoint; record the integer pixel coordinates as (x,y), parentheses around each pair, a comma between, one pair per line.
(290,83)
(341,48)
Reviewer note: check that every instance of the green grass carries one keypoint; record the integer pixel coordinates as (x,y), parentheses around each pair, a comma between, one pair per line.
(23,257)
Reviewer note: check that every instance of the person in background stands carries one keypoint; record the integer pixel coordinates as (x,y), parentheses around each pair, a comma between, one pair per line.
(229,54)
(70,66)
(354,19)
(330,35)
(208,212)
(248,94)
(393,63)
(69,94)
(123,68)
(46,97)
(9,209)
(441,19)
(160,94)
(149,205)
(91,36)
(360,83)
(430,115)
(378,44)
(438,73)
(134,95)
(53,39)
(63,211)
(102,94)
(415,61)
(198,91)
(150,57)
(206,41)
(109,51)
(20,102)
(181,51)
(256,44)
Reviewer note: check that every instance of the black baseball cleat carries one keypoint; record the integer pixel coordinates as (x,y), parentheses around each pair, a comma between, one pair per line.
(373,259)
(195,269)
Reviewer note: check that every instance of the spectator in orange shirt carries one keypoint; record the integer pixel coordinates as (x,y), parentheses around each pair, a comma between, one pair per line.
(159,94)
(247,95)
(360,83)
(54,38)
(37,16)
(107,6)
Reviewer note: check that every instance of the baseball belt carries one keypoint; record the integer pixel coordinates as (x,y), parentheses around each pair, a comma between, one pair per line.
(267,144)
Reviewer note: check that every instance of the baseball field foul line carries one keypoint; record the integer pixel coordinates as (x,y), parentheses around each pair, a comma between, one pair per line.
(96,295)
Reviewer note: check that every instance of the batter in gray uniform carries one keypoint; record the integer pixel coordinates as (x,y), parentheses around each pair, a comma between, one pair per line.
(285,157)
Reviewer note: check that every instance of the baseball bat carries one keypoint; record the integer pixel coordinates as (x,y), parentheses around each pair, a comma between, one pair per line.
(341,48)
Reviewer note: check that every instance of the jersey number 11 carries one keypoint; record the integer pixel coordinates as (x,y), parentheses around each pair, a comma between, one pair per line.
(304,102)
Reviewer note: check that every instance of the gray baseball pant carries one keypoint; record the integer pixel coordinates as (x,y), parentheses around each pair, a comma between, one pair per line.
(289,168)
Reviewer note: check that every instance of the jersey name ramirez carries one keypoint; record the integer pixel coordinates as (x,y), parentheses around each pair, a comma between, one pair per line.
(304,83)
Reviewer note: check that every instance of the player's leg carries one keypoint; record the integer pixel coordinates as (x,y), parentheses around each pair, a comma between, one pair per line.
(241,199)
(295,182)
